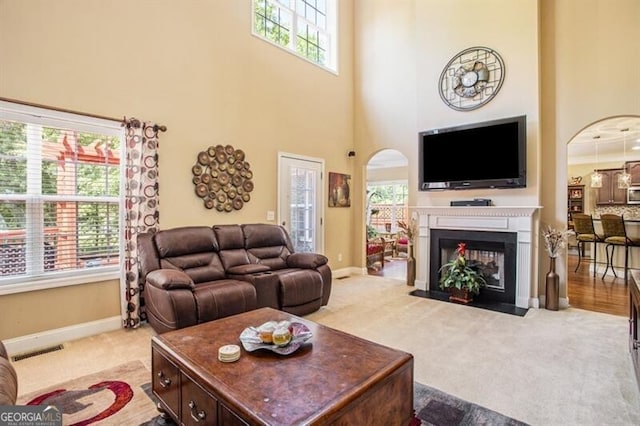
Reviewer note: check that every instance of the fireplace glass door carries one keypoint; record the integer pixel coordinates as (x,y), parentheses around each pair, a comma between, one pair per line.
(493,254)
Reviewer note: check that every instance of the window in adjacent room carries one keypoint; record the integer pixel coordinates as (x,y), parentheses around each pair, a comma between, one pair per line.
(304,27)
(59,194)
(387,204)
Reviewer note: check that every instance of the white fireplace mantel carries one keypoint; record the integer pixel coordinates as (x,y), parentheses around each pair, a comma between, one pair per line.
(485,218)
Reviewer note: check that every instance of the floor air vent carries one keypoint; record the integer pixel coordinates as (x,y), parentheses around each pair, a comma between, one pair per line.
(38,352)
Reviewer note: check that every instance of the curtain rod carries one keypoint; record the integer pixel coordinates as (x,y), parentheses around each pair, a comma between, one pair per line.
(103,117)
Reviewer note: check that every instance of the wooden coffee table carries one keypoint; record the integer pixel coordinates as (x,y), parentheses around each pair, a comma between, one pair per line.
(334,378)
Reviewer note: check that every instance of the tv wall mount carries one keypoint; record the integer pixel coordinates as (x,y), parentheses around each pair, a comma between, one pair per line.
(471,78)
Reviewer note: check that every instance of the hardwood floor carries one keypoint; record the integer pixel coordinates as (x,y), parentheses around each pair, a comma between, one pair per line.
(395,267)
(608,295)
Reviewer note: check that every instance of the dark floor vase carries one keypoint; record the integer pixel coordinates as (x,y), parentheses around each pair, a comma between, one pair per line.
(553,287)
(411,266)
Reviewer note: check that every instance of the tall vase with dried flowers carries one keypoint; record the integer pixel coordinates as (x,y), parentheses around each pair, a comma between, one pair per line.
(410,229)
(554,241)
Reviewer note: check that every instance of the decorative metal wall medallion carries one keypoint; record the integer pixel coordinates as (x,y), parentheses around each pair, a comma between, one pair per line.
(222,178)
(472,78)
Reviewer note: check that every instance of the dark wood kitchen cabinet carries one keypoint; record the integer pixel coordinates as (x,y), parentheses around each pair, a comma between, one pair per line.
(610,194)
(633,168)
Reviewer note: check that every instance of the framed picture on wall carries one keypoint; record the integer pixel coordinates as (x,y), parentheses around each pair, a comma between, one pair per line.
(339,190)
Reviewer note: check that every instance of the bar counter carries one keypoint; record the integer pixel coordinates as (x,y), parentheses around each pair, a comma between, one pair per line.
(633,230)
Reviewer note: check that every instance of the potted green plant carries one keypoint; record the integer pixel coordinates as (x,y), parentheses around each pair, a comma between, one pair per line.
(461,280)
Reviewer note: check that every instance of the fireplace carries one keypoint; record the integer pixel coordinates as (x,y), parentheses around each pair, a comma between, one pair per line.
(492,254)
(497,225)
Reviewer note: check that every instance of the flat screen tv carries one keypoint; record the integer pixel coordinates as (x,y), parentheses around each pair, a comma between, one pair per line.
(490,154)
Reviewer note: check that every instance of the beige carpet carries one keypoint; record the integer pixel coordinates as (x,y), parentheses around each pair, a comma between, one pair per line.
(110,397)
(569,367)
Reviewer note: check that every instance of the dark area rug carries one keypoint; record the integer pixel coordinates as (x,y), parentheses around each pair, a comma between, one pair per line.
(434,407)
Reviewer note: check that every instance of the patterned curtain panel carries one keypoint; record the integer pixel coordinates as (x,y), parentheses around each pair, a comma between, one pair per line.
(141,211)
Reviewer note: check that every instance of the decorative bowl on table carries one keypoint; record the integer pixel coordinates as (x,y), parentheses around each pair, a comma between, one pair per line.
(282,337)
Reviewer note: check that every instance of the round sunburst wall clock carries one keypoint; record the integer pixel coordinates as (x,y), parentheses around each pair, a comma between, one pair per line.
(471,78)
(223,178)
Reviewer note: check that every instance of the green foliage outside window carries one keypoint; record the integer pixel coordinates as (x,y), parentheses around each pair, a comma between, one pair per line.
(97,222)
(275,24)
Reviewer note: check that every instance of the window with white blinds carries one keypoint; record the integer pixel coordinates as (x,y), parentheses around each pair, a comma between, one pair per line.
(59,193)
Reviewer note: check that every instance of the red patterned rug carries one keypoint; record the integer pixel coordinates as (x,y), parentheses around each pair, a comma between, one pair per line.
(111,397)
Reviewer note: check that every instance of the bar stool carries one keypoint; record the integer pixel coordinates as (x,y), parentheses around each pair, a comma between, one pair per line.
(586,233)
(615,234)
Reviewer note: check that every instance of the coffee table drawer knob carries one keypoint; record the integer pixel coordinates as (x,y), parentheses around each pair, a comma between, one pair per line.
(195,415)
(164,381)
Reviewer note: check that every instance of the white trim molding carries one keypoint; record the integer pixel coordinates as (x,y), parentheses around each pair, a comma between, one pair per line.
(58,336)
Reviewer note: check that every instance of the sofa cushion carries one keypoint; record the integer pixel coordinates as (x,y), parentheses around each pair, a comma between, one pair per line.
(232,251)
(185,240)
(300,287)
(265,235)
(274,257)
(222,298)
(201,267)
(229,236)
(251,268)
(192,249)
(267,244)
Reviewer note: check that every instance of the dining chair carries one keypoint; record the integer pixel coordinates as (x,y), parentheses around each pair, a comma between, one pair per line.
(615,235)
(586,233)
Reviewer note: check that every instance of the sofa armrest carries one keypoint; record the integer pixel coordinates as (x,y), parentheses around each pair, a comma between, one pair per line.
(249,268)
(306,260)
(169,279)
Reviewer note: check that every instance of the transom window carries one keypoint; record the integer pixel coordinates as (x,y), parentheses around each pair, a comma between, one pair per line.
(59,194)
(304,27)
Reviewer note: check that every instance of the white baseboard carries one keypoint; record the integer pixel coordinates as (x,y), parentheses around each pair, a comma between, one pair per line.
(44,339)
(344,272)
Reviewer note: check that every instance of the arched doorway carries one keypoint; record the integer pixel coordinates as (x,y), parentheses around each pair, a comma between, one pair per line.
(386,204)
(606,147)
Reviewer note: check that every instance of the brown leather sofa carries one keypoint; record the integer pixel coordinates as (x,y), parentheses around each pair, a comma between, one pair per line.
(8,379)
(197,274)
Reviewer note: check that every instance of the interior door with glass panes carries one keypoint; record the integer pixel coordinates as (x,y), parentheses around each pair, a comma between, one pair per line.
(300,201)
